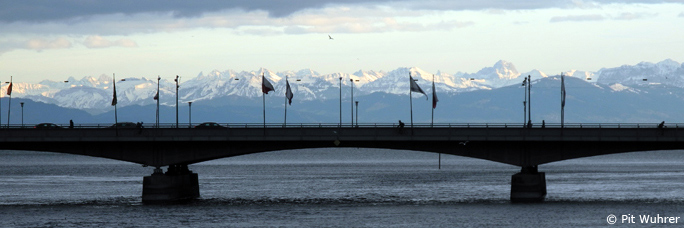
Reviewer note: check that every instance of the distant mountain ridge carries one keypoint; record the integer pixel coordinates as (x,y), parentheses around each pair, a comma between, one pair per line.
(94,94)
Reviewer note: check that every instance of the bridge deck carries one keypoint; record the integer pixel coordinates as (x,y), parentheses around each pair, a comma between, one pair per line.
(509,144)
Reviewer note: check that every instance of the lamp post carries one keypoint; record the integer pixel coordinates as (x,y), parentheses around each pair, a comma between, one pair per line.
(351,102)
(177,80)
(236,79)
(340,101)
(529,101)
(22,114)
(0,111)
(524,84)
(357,113)
(189,114)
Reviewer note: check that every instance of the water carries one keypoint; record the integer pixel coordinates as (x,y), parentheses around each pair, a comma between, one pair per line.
(339,188)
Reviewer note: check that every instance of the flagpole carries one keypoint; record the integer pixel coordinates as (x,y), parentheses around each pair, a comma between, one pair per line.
(263,96)
(285,123)
(9,106)
(340,101)
(432,119)
(1,109)
(562,101)
(116,118)
(158,78)
(410,99)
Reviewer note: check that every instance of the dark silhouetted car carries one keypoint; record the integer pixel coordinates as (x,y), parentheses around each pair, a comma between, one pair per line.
(124,125)
(46,126)
(209,125)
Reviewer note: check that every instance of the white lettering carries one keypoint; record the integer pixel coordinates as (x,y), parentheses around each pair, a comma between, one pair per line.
(656,219)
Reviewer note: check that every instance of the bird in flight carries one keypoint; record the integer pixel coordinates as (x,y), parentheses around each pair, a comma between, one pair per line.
(330,37)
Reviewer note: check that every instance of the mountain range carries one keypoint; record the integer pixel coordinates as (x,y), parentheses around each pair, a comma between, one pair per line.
(218,94)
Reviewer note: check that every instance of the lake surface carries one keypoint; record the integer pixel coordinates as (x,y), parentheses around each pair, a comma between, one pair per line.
(340,188)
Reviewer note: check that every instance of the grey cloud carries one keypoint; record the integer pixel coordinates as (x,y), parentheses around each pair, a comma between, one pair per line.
(57,10)
(591,17)
(101,42)
(41,11)
(37,44)
(634,16)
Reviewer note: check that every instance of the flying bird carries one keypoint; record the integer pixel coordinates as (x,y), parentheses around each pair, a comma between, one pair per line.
(330,37)
(464,143)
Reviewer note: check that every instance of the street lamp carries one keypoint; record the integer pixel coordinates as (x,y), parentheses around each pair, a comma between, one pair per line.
(22,114)
(189,114)
(529,101)
(177,80)
(351,102)
(524,84)
(0,111)
(340,101)
(357,113)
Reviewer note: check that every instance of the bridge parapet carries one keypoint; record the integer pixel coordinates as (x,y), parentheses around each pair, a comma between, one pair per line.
(363,133)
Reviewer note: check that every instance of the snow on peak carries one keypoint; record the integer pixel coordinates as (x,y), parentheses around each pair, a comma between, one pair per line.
(96,92)
(501,74)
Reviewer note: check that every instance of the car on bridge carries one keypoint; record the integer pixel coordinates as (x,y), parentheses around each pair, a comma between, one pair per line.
(209,125)
(46,126)
(124,125)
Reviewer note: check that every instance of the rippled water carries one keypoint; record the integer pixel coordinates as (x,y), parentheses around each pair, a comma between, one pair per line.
(338,188)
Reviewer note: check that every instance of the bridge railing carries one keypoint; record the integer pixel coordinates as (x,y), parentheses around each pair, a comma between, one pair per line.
(373,125)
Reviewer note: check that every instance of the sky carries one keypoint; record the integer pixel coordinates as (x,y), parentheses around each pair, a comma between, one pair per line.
(58,39)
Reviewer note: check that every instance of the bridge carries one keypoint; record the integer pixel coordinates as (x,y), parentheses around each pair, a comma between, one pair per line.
(177,148)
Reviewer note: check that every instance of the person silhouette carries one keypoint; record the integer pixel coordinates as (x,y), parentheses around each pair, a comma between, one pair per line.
(71,124)
(401,127)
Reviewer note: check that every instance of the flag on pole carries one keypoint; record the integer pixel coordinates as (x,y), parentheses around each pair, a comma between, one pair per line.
(416,88)
(266,86)
(9,89)
(562,91)
(114,99)
(434,96)
(156,97)
(288,92)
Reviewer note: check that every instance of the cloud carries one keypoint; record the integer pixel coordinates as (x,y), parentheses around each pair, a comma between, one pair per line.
(589,17)
(43,44)
(681,14)
(65,10)
(42,11)
(585,5)
(338,19)
(100,42)
(633,16)
(36,44)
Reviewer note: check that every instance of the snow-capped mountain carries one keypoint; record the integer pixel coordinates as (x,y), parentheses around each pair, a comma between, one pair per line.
(501,74)
(667,72)
(95,94)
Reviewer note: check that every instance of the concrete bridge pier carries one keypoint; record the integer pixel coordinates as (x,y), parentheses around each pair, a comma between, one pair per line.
(528,186)
(178,183)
